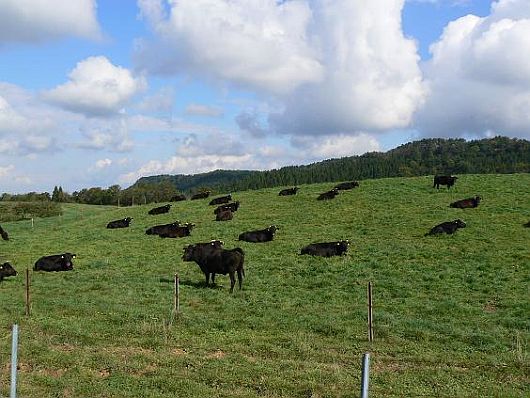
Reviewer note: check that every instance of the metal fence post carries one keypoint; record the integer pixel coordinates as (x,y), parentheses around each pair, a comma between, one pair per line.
(365,375)
(14,346)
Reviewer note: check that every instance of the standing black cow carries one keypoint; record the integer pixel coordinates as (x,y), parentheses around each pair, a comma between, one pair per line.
(220,200)
(158,229)
(4,234)
(123,223)
(218,261)
(328,195)
(207,249)
(326,249)
(466,203)
(201,195)
(448,227)
(6,270)
(260,235)
(229,206)
(56,262)
(224,215)
(444,180)
(179,231)
(178,198)
(347,185)
(288,191)
(160,210)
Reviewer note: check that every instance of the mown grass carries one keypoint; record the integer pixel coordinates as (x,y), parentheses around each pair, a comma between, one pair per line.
(452,313)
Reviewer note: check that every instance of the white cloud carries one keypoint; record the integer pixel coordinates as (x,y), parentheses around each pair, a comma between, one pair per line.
(103,163)
(161,101)
(41,20)
(96,87)
(336,146)
(203,110)
(6,170)
(479,75)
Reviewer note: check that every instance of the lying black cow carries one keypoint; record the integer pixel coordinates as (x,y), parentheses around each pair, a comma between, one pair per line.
(123,223)
(57,262)
(201,195)
(328,195)
(466,203)
(6,270)
(224,215)
(217,261)
(448,227)
(326,249)
(158,229)
(444,180)
(229,206)
(178,198)
(160,210)
(288,191)
(347,185)
(261,235)
(220,200)
(4,234)
(179,231)
(527,225)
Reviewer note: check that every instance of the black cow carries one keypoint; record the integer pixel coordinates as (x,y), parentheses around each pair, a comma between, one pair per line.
(179,231)
(218,261)
(158,229)
(220,200)
(444,180)
(207,249)
(328,195)
(201,195)
(347,185)
(326,249)
(261,235)
(229,206)
(178,198)
(224,215)
(57,262)
(288,191)
(448,227)
(123,223)
(160,210)
(466,203)
(527,225)
(6,270)
(5,235)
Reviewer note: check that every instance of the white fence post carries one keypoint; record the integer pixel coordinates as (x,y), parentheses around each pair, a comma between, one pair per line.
(365,375)
(14,346)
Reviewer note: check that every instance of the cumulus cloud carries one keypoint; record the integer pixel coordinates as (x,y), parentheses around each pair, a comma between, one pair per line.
(112,136)
(159,102)
(33,21)
(103,163)
(96,87)
(336,146)
(479,75)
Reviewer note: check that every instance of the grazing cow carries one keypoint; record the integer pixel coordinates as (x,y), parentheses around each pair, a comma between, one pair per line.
(220,200)
(261,235)
(178,198)
(328,195)
(5,235)
(288,191)
(448,227)
(179,231)
(57,262)
(6,270)
(224,215)
(326,249)
(201,195)
(347,185)
(229,206)
(527,225)
(217,261)
(158,229)
(444,180)
(159,210)
(123,223)
(466,203)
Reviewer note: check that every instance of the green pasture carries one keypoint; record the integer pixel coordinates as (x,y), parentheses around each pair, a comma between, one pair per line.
(451,313)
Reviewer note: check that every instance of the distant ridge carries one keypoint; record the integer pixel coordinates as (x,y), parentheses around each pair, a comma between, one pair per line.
(424,157)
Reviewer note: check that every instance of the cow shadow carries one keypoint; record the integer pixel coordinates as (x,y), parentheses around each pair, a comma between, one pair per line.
(195,284)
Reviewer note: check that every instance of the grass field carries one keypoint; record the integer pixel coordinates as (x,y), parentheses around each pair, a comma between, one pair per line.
(451,313)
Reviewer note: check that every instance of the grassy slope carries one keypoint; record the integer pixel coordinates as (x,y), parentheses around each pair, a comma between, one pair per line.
(451,312)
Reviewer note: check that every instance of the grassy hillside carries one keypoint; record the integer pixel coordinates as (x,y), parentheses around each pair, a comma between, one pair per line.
(451,313)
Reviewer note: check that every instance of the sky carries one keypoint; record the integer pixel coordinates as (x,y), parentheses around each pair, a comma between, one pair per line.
(102,92)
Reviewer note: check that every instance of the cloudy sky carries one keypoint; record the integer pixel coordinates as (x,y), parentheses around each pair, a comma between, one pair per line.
(99,92)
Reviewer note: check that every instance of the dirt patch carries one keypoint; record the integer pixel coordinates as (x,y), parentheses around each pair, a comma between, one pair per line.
(104,373)
(56,373)
(179,352)
(216,355)
(490,306)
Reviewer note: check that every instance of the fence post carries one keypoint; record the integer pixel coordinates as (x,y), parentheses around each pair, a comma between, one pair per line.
(365,375)
(176,303)
(32,225)
(370,314)
(14,348)
(28,302)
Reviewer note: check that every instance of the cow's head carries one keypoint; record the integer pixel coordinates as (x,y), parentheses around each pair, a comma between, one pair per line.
(272,229)
(66,260)
(477,199)
(128,219)
(459,223)
(4,235)
(7,269)
(189,253)
(189,225)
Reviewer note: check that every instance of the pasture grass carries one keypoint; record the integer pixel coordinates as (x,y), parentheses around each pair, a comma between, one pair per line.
(451,313)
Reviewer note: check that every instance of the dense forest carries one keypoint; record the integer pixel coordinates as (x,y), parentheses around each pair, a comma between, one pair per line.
(425,157)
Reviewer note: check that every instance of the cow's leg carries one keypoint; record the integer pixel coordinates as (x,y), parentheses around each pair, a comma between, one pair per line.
(232,281)
(240,278)
(207,275)
(213,278)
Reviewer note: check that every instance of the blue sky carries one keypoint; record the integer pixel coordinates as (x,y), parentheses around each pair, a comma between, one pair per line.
(94,93)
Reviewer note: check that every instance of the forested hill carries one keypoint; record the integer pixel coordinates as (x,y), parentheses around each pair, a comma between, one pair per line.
(425,157)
